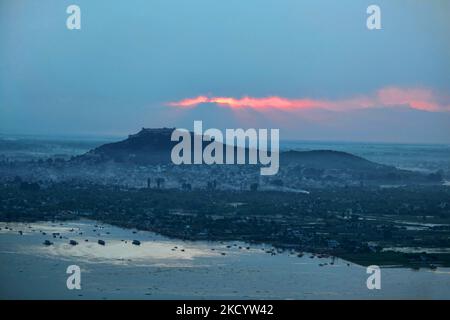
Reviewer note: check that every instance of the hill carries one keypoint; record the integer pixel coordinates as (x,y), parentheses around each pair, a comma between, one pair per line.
(153,147)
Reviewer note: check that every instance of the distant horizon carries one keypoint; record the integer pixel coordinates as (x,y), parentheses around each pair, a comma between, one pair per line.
(118,137)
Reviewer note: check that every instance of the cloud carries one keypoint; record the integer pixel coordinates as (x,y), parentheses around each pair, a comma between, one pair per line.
(416,98)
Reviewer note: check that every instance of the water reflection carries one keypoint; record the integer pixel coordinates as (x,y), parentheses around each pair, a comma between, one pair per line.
(160,267)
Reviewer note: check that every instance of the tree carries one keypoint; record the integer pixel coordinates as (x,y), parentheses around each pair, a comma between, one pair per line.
(159,182)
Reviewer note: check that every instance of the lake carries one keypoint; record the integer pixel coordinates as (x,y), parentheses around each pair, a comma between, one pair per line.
(163,268)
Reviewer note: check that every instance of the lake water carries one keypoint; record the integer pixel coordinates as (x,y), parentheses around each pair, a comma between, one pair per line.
(163,268)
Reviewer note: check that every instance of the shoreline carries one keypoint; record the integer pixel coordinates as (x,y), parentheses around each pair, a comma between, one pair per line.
(388,259)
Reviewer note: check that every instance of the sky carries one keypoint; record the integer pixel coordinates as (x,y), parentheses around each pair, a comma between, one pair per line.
(309,68)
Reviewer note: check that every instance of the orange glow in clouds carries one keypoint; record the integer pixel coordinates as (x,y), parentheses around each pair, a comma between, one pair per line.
(416,98)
